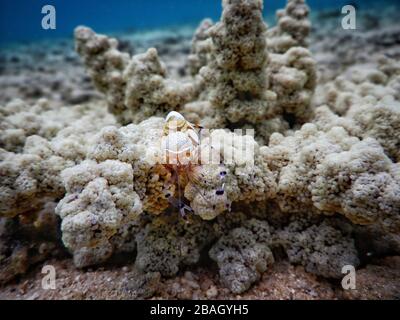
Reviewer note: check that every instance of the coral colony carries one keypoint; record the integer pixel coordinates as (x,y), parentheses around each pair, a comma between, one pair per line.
(134,175)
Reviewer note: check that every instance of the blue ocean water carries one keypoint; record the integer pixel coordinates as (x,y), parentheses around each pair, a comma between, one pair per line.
(20,20)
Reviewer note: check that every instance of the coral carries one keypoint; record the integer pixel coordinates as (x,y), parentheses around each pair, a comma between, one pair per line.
(204,113)
(243,255)
(318,246)
(20,120)
(201,47)
(292,28)
(244,84)
(30,177)
(169,242)
(293,77)
(247,178)
(236,82)
(357,84)
(236,73)
(119,180)
(99,200)
(367,102)
(143,154)
(368,118)
(340,50)
(27,240)
(379,120)
(51,70)
(332,172)
(373,241)
(97,171)
(33,175)
(125,176)
(135,87)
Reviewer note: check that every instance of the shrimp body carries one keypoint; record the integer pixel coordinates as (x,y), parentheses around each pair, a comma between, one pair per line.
(180,144)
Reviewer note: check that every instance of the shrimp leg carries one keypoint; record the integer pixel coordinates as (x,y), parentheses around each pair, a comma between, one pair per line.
(178,203)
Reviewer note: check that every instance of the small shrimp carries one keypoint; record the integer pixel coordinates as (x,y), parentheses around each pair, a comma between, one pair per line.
(180,144)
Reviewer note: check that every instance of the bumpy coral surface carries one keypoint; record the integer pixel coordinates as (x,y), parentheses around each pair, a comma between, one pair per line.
(318,172)
(236,82)
(333,172)
(33,172)
(165,249)
(243,255)
(292,28)
(201,47)
(126,176)
(320,247)
(135,87)
(366,103)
